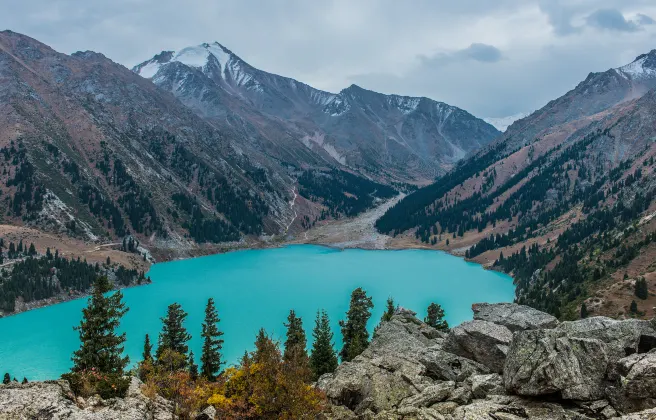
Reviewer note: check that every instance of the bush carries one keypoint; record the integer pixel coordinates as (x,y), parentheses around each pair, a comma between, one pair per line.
(90,382)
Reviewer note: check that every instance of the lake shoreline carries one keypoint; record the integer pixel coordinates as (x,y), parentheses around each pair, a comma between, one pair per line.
(354,233)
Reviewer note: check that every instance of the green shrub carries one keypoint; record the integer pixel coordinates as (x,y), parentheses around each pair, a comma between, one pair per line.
(90,382)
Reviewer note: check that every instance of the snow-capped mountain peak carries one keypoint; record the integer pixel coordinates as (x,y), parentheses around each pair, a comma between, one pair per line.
(644,66)
(197,56)
(502,123)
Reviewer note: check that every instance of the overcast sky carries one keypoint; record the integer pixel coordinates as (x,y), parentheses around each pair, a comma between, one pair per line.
(491,57)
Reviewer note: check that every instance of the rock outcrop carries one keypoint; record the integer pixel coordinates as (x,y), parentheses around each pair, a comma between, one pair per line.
(55,400)
(510,362)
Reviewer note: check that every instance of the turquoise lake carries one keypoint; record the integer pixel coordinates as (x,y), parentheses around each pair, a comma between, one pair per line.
(254,289)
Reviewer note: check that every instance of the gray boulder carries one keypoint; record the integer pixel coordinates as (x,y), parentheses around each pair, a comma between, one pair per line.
(388,372)
(53,400)
(430,395)
(633,383)
(622,338)
(543,362)
(638,375)
(484,385)
(482,341)
(513,316)
(445,366)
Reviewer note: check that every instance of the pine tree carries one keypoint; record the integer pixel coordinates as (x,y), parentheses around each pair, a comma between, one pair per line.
(584,311)
(24,380)
(435,317)
(101,348)
(193,367)
(147,350)
(389,312)
(210,358)
(295,355)
(634,307)
(323,358)
(6,379)
(174,335)
(641,289)
(354,330)
(32,250)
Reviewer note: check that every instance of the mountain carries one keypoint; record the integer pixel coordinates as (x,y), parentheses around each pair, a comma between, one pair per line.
(588,100)
(387,137)
(502,123)
(564,199)
(90,149)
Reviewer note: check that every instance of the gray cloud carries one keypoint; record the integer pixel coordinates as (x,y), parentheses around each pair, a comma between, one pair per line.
(482,53)
(492,58)
(644,19)
(612,19)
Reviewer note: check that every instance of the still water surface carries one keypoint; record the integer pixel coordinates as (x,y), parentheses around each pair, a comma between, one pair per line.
(254,289)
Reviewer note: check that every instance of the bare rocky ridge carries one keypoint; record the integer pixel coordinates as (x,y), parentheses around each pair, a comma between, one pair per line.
(594,368)
(385,136)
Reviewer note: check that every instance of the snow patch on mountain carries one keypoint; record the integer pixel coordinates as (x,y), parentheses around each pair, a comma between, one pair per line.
(640,68)
(502,123)
(149,70)
(319,140)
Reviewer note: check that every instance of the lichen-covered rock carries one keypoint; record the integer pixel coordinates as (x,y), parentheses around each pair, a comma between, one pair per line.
(544,362)
(484,385)
(446,366)
(513,316)
(482,341)
(53,400)
(622,338)
(638,373)
(430,395)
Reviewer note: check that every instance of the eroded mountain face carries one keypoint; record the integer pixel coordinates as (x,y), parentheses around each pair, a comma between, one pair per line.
(388,137)
(91,149)
(564,200)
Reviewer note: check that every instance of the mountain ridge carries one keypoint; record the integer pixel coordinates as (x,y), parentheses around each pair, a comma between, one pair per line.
(580,167)
(387,137)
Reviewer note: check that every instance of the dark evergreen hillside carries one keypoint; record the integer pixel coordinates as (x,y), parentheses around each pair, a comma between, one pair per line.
(411,211)
(567,215)
(342,193)
(33,278)
(201,229)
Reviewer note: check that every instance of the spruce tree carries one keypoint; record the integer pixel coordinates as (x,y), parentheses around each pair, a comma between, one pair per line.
(641,289)
(6,379)
(101,348)
(24,380)
(193,367)
(210,358)
(295,355)
(355,336)
(435,317)
(174,335)
(389,311)
(634,307)
(323,358)
(147,350)
(584,311)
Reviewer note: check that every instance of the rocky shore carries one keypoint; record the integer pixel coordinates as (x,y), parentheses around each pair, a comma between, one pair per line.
(510,362)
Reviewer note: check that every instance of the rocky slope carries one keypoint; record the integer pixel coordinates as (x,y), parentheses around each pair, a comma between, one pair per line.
(563,200)
(89,149)
(386,136)
(510,362)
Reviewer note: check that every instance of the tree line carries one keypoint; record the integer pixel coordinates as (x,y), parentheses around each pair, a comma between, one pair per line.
(268,382)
